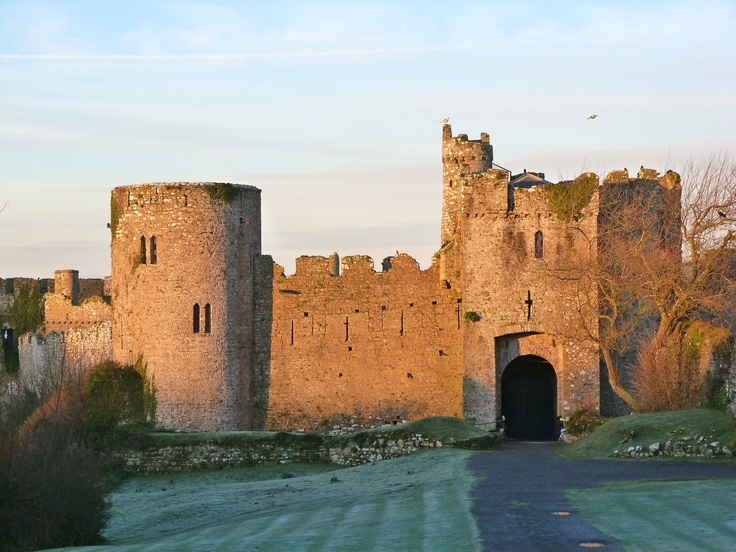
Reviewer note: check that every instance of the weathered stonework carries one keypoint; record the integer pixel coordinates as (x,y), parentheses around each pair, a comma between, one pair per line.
(233,343)
(374,347)
(71,353)
(287,448)
(183,261)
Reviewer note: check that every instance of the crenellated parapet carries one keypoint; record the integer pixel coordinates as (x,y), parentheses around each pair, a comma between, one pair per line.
(371,347)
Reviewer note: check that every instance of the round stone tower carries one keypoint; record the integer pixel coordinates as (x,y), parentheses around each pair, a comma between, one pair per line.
(183,259)
(66,282)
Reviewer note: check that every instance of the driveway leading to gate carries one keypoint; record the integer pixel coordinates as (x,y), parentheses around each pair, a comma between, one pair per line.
(520,501)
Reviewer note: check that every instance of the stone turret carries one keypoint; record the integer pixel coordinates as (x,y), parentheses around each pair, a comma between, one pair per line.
(183,289)
(460,157)
(66,282)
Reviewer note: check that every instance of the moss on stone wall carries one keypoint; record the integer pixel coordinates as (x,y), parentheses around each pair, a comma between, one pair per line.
(222,192)
(114,214)
(568,199)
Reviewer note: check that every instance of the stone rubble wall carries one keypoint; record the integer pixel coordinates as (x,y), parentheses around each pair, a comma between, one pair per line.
(679,449)
(43,358)
(350,452)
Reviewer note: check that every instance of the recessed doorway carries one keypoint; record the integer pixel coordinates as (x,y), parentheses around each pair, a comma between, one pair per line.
(529,399)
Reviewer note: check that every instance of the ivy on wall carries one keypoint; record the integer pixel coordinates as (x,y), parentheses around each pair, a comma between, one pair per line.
(568,199)
(114,214)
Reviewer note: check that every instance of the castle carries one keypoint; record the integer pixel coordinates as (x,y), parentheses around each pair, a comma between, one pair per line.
(491,329)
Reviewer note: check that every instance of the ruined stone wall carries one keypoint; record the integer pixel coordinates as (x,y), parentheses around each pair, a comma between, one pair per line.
(183,260)
(60,314)
(518,275)
(44,358)
(374,347)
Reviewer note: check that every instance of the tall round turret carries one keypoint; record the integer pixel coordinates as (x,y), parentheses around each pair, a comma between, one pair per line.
(460,157)
(183,259)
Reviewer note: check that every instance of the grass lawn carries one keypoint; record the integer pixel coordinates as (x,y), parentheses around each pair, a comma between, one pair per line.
(418,502)
(666,516)
(655,427)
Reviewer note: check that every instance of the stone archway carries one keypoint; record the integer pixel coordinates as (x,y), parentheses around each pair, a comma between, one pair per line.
(529,399)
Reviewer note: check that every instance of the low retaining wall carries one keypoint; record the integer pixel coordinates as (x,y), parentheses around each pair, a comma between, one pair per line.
(676,449)
(284,448)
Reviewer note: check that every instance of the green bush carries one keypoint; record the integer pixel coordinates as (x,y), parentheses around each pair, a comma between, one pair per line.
(114,398)
(26,313)
(471,316)
(583,422)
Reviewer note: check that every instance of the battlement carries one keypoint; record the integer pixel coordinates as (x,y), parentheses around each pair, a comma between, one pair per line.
(179,195)
(670,180)
(319,267)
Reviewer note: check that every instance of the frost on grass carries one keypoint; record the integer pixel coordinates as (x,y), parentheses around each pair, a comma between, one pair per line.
(417,502)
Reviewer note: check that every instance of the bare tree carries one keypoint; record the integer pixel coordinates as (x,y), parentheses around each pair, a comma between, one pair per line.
(664,256)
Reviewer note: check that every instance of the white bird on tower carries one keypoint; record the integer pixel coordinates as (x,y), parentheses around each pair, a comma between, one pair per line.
(445,120)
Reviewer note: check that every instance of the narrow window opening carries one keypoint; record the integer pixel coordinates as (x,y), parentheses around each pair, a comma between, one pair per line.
(153,250)
(306,314)
(195,318)
(538,245)
(143,250)
(207,318)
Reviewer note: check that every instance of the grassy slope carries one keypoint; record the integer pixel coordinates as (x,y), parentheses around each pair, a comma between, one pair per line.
(654,427)
(663,516)
(660,515)
(419,502)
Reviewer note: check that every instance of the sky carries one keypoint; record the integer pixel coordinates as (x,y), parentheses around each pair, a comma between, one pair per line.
(332,109)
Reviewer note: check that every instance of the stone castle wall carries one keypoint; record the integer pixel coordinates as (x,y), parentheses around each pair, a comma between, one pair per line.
(61,314)
(372,347)
(233,343)
(44,358)
(183,261)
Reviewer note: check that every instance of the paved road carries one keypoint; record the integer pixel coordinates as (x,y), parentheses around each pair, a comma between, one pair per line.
(523,486)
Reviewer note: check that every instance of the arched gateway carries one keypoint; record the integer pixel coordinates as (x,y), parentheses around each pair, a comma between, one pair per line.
(529,399)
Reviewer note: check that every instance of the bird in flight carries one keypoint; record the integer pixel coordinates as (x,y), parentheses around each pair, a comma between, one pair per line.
(592,116)
(445,120)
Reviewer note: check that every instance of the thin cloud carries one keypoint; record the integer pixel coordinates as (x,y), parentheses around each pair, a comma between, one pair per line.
(326,55)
